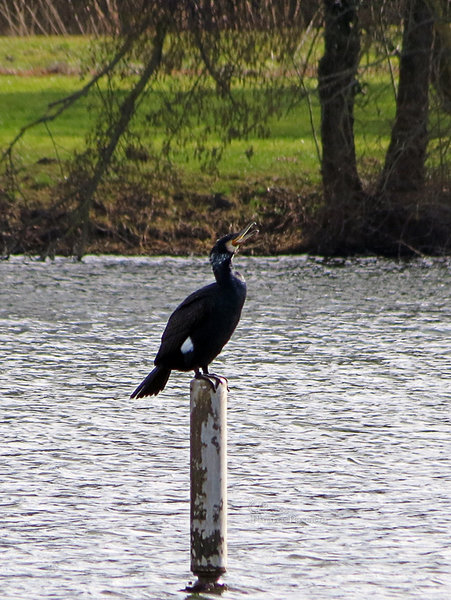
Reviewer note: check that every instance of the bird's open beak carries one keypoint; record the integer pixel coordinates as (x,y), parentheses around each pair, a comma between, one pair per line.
(244,235)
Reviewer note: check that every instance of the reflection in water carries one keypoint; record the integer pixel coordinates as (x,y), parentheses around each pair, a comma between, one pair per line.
(339,430)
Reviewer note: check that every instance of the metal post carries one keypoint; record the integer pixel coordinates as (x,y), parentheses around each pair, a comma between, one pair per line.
(208,483)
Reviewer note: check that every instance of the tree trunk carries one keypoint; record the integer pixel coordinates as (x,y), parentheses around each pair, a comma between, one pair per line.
(405,160)
(337,87)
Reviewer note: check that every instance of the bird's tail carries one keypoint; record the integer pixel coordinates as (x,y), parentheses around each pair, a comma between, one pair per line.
(153,383)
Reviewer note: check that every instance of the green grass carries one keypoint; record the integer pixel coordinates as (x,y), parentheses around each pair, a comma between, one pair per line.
(44,54)
(25,99)
(289,156)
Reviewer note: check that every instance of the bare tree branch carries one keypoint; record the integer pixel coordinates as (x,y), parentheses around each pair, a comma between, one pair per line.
(127,110)
(54,109)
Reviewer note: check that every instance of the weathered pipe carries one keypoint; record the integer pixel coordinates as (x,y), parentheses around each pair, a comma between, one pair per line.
(208,482)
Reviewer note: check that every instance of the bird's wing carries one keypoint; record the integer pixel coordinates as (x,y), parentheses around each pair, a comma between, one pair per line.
(186,318)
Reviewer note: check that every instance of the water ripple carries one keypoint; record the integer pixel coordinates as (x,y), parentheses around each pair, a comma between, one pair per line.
(339,430)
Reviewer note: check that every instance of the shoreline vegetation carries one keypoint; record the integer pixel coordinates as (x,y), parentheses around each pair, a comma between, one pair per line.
(150,198)
(182,221)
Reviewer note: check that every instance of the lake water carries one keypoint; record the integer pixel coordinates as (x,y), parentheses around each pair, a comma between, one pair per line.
(339,430)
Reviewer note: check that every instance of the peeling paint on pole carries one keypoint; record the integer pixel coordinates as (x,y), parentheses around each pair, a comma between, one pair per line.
(208,480)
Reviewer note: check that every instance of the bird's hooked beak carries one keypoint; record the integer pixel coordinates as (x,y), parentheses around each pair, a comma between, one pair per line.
(241,237)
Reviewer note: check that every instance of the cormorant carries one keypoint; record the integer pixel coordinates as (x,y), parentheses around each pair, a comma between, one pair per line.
(200,327)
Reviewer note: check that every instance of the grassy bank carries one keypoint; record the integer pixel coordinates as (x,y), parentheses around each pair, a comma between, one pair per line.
(37,71)
(275,180)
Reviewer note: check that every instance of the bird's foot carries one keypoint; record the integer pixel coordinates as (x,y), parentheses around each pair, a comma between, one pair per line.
(219,379)
(213,380)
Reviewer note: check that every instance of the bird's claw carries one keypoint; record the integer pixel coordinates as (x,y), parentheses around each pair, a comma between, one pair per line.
(218,379)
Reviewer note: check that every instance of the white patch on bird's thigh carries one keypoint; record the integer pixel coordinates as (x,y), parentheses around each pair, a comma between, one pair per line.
(187,346)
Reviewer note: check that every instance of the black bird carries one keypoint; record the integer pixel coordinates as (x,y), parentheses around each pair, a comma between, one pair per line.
(200,327)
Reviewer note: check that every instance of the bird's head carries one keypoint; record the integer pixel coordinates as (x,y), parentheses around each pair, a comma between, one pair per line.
(229,244)
(224,249)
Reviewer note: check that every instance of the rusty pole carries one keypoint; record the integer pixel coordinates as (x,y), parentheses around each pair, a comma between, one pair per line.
(208,483)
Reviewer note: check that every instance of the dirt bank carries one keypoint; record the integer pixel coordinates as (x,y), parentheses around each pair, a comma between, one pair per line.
(187,223)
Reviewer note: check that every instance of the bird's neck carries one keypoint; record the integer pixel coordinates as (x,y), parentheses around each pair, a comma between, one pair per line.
(222,267)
